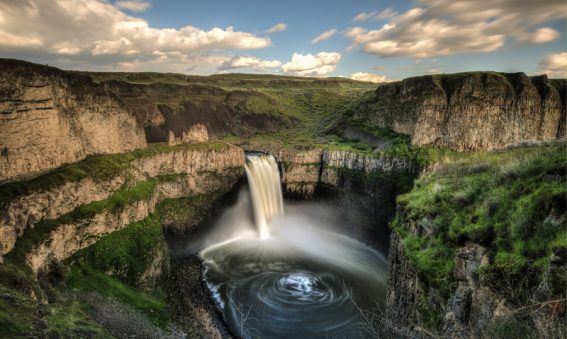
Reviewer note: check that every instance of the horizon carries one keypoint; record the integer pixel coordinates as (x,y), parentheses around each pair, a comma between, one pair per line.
(281,75)
(361,40)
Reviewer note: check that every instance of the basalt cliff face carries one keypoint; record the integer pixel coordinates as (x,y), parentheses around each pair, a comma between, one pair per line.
(469,111)
(304,171)
(50,117)
(174,173)
(362,186)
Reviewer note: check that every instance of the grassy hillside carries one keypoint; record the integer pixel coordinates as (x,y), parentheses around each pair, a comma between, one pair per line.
(237,106)
(512,202)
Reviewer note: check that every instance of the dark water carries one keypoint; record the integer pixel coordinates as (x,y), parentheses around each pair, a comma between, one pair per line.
(302,283)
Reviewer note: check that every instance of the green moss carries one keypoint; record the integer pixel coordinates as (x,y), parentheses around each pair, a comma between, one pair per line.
(152,304)
(127,253)
(115,265)
(97,167)
(17,313)
(22,315)
(70,318)
(510,201)
(560,242)
(33,236)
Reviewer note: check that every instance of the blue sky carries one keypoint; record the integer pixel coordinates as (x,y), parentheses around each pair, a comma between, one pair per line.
(372,40)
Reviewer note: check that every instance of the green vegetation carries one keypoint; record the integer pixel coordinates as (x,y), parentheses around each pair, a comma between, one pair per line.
(126,195)
(510,201)
(22,315)
(97,167)
(115,267)
(234,80)
(151,304)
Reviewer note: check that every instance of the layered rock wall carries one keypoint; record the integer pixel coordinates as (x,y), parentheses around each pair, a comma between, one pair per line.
(303,171)
(49,117)
(201,171)
(469,111)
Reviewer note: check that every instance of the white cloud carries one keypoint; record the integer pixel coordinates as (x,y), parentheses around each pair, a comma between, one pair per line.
(364,16)
(120,46)
(277,28)
(540,36)
(249,62)
(384,14)
(369,77)
(134,6)
(324,36)
(320,64)
(170,62)
(445,27)
(554,65)
(94,34)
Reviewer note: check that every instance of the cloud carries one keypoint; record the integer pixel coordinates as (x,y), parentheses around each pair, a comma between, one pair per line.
(249,62)
(445,27)
(361,76)
(96,34)
(540,36)
(364,16)
(170,62)
(320,64)
(134,6)
(554,65)
(277,28)
(385,14)
(378,68)
(324,36)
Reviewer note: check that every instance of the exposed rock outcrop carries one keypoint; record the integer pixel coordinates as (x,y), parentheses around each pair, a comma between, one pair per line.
(196,133)
(49,117)
(166,107)
(300,171)
(474,309)
(335,161)
(69,238)
(469,111)
(202,172)
(303,171)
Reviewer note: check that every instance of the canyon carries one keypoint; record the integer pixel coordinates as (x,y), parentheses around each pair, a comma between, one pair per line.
(91,161)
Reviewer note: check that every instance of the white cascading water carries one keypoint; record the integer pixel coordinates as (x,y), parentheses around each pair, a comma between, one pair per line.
(291,274)
(266,191)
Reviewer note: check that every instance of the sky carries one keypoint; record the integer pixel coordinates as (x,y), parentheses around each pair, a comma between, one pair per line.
(370,40)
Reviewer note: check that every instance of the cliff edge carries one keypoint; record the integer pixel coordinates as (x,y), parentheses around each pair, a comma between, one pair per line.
(50,117)
(468,111)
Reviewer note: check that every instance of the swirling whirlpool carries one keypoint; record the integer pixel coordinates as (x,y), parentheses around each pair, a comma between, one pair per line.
(270,289)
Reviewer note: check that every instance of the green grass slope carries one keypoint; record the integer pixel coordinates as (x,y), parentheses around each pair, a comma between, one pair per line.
(513,202)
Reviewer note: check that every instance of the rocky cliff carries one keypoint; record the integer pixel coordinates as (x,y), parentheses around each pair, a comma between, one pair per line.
(478,247)
(74,214)
(468,111)
(49,117)
(304,171)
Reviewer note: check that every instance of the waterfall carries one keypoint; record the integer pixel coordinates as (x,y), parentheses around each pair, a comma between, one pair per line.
(266,191)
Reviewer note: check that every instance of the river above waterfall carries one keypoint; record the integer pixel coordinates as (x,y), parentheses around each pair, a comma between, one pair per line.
(283,275)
